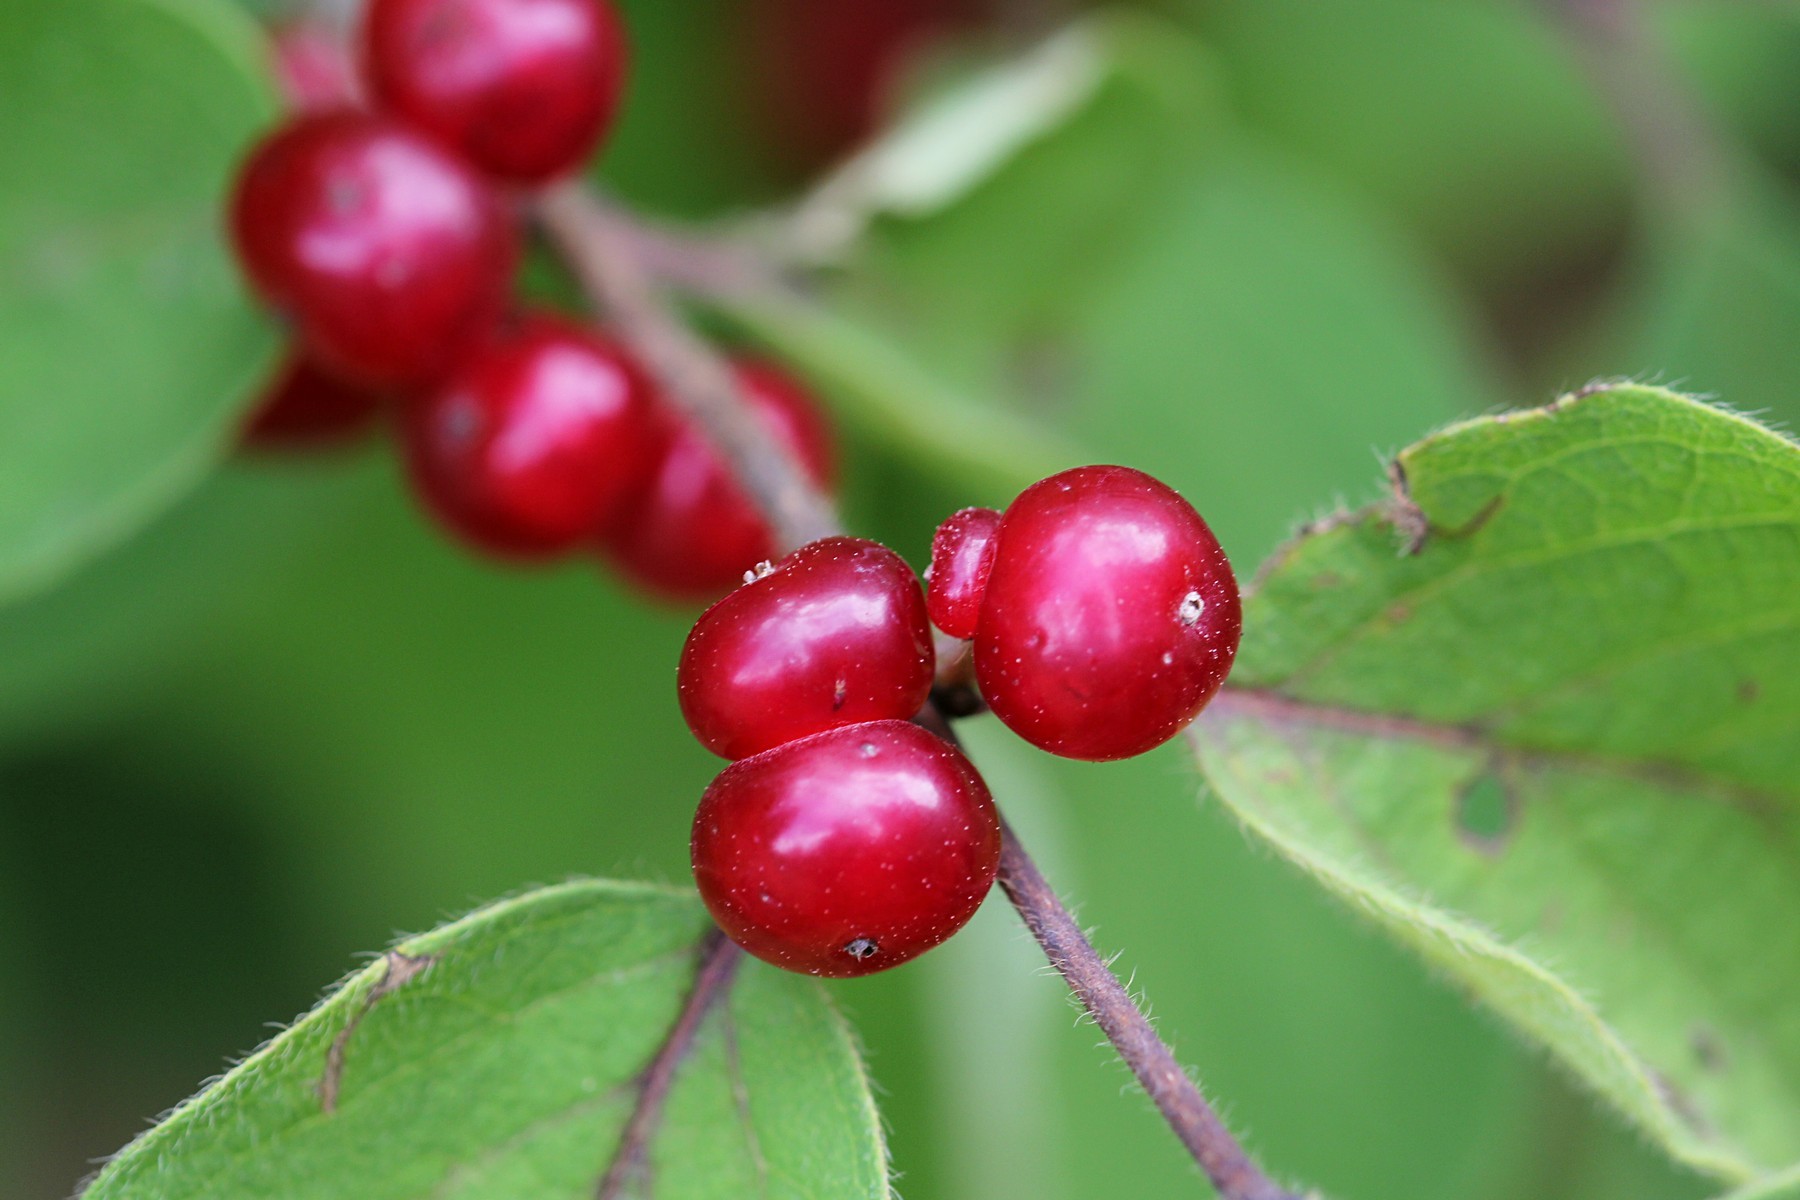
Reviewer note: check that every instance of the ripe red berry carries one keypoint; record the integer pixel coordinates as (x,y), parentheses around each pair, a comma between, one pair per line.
(521,88)
(834,635)
(690,533)
(847,852)
(1111,615)
(312,67)
(962,555)
(531,444)
(386,252)
(305,408)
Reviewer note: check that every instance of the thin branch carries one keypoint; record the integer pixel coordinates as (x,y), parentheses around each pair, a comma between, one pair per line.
(1676,146)
(719,959)
(598,244)
(1233,1172)
(604,250)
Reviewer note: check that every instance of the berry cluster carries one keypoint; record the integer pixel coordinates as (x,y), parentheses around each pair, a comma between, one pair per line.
(1098,611)
(1102,616)
(384,231)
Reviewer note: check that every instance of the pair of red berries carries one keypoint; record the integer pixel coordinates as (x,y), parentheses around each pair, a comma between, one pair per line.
(382,234)
(385,238)
(845,839)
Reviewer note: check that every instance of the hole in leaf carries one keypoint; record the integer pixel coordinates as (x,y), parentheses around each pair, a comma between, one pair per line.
(1486,814)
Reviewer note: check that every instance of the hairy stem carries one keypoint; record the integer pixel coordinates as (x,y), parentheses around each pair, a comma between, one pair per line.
(602,248)
(719,959)
(1233,1172)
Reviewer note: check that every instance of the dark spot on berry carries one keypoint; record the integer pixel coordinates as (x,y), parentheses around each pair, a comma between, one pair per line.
(862,949)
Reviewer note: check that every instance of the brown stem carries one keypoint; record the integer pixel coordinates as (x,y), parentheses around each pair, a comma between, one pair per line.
(602,248)
(1233,1172)
(1668,133)
(719,959)
(597,242)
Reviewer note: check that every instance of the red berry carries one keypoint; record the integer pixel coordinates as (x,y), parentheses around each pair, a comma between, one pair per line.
(847,852)
(690,533)
(826,70)
(1111,615)
(532,443)
(962,554)
(312,67)
(521,88)
(834,635)
(386,252)
(305,408)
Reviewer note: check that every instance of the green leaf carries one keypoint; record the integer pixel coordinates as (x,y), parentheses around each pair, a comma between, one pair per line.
(1713,302)
(1553,743)
(496,1057)
(1135,282)
(126,345)
(1785,1186)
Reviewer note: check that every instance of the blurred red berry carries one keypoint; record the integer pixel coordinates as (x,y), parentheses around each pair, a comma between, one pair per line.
(523,89)
(312,67)
(387,254)
(690,533)
(530,445)
(305,408)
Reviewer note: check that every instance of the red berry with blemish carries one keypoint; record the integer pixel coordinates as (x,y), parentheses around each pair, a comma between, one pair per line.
(847,852)
(690,532)
(387,254)
(1110,618)
(962,555)
(531,444)
(306,408)
(835,634)
(523,89)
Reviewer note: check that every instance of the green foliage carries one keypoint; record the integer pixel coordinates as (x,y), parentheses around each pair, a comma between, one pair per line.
(1549,743)
(496,1056)
(1785,1186)
(126,346)
(1147,310)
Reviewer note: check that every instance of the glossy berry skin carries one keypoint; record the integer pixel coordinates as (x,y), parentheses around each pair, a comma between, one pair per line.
(962,555)
(531,444)
(1111,615)
(523,89)
(387,254)
(312,68)
(847,852)
(690,533)
(307,409)
(835,634)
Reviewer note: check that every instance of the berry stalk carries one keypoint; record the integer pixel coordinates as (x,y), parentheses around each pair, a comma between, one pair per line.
(1234,1174)
(596,242)
(599,244)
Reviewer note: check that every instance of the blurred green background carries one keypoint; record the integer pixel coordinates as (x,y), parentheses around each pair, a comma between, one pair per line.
(288,720)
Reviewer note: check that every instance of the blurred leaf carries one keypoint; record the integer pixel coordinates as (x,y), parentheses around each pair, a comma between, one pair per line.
(1785,1186)
(126,346)
(1471,121)
(496,1056)
(1712,303)
(1141,283)
(1555,749)
(959,137)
